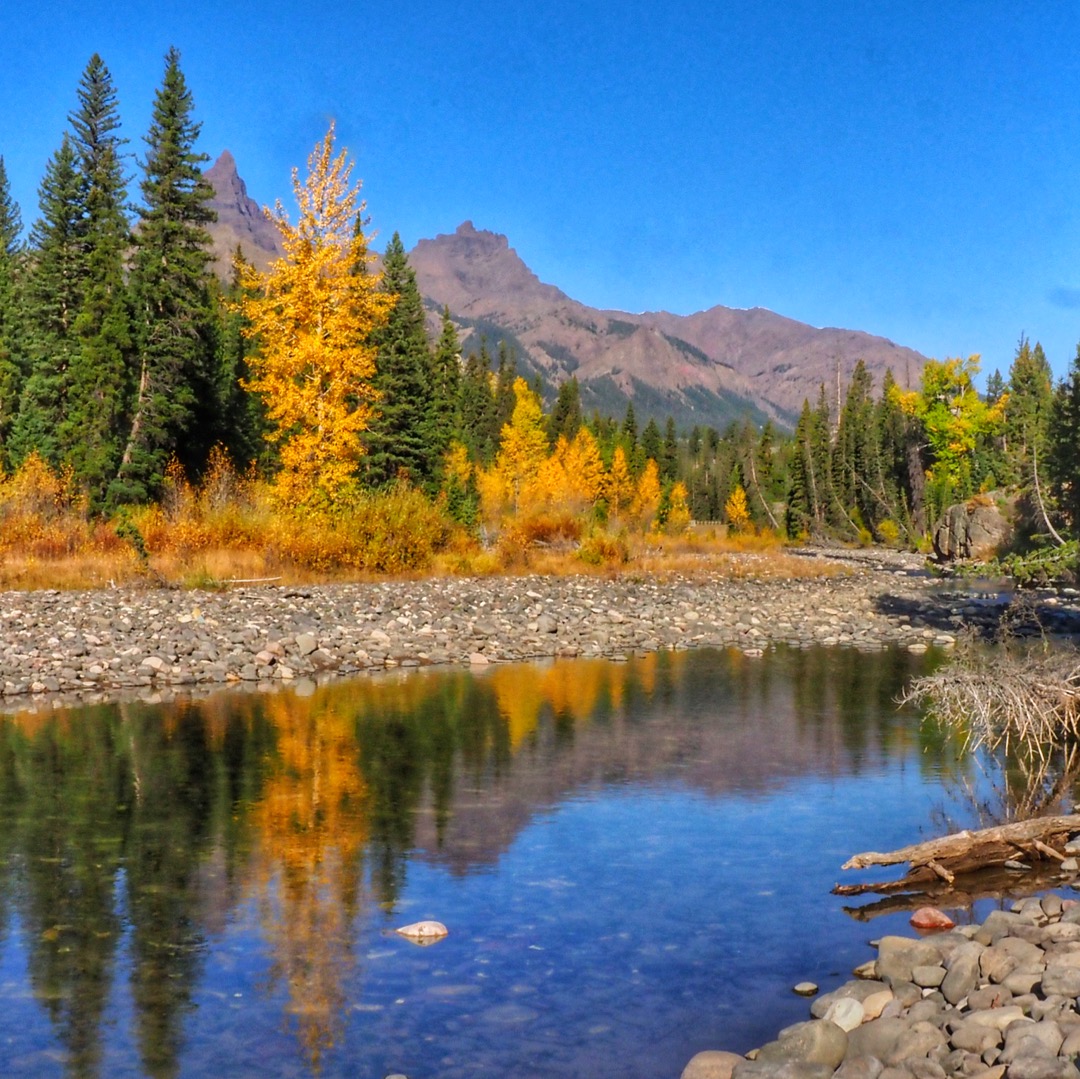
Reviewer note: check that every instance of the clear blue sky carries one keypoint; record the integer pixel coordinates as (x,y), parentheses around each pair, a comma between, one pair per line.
(909,168)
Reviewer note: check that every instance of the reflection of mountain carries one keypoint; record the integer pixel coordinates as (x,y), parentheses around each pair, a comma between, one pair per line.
(716,722)
(132,836)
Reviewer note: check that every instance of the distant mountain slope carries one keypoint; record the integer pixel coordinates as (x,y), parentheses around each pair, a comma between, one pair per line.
(706,368)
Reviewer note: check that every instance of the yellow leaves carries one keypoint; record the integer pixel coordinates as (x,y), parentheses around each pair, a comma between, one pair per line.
(647,494)
(678,516)
(523,446)
(619,488)
(312,314)
(736,510)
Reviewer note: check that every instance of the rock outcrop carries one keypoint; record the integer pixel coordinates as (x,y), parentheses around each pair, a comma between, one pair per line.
(971,530)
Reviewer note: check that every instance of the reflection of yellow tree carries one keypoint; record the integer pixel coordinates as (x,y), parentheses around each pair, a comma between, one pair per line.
(571,689)
(311,823)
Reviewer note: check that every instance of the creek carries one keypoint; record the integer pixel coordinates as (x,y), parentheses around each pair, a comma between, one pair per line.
(634,862)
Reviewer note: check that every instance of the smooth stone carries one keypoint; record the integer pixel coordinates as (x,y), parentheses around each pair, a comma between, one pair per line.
(805,989)
(897,956)
(816,1041)
(931,918)
(1042,1068)
(426,932)
(963,973)
(847,1013)
(711,1064)
(859,1068)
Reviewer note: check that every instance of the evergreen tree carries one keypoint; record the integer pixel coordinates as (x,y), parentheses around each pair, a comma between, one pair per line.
(505,377)
(445,379)
(54,291)
(629,429)
(396,439)
(652,445)
(12,363)
(1063,451)
(669,461)
(91,431)
(479,428)
(241,420)
(565,418)
(856,457)
(1027,413)
(176,404)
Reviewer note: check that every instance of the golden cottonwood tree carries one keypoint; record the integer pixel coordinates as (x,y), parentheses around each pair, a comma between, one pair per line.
(312,314)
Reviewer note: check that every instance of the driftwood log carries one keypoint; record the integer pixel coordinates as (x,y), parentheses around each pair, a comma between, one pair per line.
(942,860)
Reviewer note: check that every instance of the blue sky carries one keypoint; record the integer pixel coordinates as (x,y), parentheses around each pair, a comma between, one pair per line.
(907,168)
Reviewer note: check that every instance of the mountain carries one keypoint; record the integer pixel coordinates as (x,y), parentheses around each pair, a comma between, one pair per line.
(240,221)
(707,368)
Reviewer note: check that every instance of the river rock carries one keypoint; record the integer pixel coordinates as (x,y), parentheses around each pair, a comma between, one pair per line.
(814,1042)
(898,956)
(423,932)
(711,1064)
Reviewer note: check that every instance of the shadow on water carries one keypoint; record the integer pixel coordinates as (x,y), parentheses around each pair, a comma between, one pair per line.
(628,856)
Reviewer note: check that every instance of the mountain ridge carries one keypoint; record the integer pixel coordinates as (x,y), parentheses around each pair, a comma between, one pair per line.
(709,368)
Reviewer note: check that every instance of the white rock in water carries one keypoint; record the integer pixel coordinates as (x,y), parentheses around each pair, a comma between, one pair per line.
(806,989)
(423,932)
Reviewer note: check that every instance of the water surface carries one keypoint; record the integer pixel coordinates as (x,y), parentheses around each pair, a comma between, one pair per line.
(634,861)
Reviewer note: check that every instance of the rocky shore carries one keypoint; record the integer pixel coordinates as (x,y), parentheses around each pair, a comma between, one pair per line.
(116,642)
(990,1001)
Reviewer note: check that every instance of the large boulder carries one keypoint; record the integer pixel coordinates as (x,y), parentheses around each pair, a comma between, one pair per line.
(975,529)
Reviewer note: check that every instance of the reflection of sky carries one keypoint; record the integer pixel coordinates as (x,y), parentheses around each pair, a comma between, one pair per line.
(617,931)
(620,933)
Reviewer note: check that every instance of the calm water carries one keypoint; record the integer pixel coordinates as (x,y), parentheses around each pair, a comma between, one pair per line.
(634,861)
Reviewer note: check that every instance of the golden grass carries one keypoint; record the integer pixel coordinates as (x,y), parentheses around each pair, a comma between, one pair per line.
(230,529)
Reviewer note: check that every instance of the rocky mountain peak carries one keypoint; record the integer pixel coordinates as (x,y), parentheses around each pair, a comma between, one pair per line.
(240,221)
(478,273)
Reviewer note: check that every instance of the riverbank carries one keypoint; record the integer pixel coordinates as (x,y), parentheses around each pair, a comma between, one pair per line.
(111,642)
(996,1001)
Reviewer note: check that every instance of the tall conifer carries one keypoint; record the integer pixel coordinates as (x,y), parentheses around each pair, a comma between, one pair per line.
(12,363)
(174,409)
(54,289)
(396,438)
(91,432)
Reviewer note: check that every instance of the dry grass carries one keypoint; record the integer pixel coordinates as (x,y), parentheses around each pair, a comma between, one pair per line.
(229,528)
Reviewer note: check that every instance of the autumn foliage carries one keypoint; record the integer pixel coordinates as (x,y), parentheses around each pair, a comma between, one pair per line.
(313,314)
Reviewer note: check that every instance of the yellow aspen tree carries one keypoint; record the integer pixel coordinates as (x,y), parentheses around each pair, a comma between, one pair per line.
(523,444)
(678,516)
(736,511)
(619,489)
(584,467)
(551,486)
(312,314)
(646,495)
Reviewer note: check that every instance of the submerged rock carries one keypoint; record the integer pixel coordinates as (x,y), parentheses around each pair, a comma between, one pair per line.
(423,932)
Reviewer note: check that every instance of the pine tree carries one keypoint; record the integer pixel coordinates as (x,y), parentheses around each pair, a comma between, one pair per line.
(54,291)
(176,403)
(629,430)
(12,362)
(396,439)
(856,457)
(669,461)
(1063,450)
(91,432)
(445,379)
(478,418)
(505,377)
(565,419)
(1027,413)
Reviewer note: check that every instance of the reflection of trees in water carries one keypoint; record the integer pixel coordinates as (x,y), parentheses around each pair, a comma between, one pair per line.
(166,818)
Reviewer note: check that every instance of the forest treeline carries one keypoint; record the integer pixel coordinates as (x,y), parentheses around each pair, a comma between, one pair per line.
(129,370)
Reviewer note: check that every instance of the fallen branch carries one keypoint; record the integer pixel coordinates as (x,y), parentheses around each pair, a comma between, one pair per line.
(947,857)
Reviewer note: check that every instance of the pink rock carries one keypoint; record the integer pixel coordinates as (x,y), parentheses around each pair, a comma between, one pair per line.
(931,918)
